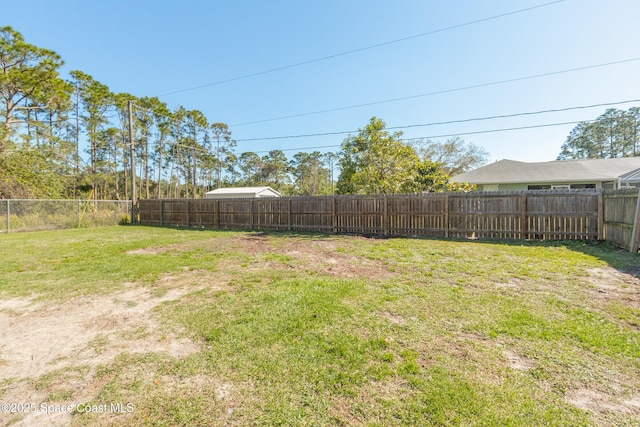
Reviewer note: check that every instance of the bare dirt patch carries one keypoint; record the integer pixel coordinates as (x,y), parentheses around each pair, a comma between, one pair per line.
(613,285)
(253,244)
(17,305)
(396,319)
(146,251)
(512,284)
(602,404)
(194,280)
(314,255)
(369,398)
(48,350)
(156,250)
(516,361)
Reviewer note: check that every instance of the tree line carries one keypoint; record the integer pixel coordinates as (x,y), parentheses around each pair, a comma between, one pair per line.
(613,134)
(69,138)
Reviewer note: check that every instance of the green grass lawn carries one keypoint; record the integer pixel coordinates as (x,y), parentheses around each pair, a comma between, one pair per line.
(309,329)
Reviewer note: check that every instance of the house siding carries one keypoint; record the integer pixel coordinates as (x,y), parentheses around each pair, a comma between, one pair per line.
(511,175)
(525,186)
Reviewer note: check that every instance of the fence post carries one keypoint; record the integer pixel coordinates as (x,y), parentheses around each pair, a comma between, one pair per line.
(188,213)
(161,212)
(251,215)
(79,212)
(385,218)
(446,216)
(334,215)
(8,217)
(218,213)
(289,215)
(601,235)
(524,227)
(635,236)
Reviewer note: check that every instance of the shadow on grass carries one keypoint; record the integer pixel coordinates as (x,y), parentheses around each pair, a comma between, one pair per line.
(616,257)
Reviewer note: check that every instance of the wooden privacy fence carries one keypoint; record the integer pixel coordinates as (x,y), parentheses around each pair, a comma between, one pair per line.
(622,218)
(548,215)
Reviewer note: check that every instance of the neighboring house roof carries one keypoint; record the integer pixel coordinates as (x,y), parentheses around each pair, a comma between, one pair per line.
(510,171)
(242,192)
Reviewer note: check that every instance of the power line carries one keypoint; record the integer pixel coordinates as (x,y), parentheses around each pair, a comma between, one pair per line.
(317,147)
(528,113)
(45,121)
(192,148)
(349,52)
(498,130)
(418,96)
(168,116)
(475,119)
(439,92)
(555,110)
(446,135)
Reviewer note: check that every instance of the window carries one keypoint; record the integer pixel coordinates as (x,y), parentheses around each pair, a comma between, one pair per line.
(560,186)
(582,186)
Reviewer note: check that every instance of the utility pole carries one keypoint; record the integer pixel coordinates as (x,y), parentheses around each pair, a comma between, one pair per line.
(219,165)
(193,154)
(331,158)
(332,178)
(76,168)
(635,134)
(195,172)
(134,213)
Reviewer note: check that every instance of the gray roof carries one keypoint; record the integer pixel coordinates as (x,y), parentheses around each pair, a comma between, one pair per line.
(511,171)
(244,191)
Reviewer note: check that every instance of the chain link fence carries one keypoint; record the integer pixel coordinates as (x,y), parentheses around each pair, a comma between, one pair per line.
(31,215)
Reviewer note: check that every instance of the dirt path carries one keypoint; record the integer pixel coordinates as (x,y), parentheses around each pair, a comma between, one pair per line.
(46,348)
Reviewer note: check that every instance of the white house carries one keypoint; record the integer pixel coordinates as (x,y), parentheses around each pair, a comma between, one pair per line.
(241,193)
(510,175)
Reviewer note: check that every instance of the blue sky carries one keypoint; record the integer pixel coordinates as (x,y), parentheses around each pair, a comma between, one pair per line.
(151,48)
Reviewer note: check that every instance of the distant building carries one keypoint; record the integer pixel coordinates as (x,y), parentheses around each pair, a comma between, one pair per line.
(241,193)
(510,175)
